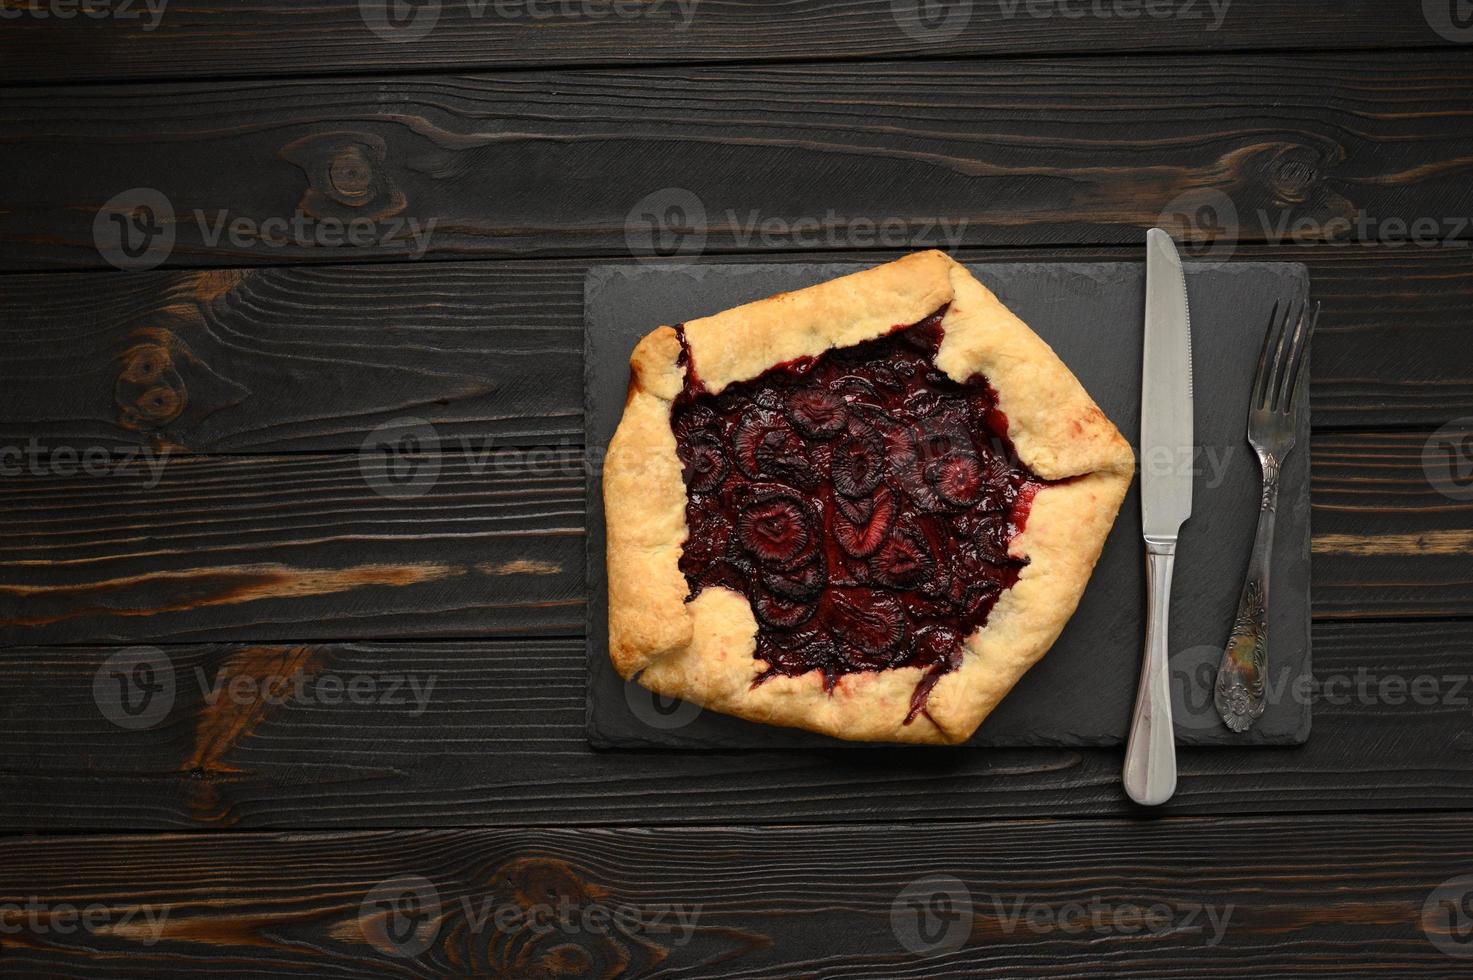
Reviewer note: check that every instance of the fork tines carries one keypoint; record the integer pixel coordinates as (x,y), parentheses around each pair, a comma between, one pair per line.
(1278,378)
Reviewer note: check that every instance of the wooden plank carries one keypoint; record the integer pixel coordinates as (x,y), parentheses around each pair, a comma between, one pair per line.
(297,547)
(455,733)
(1197,897)
(291,359)
(315,358)
(489,541)
(216,37)
(896,154)
(1393,523)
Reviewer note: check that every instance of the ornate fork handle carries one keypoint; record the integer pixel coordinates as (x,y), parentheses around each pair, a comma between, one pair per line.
(1239,694)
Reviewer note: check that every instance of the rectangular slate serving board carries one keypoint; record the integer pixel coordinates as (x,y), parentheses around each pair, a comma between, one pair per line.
(1082,692)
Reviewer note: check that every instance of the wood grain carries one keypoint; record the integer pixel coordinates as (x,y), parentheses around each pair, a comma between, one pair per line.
(489,541)
(291,359)
(1038,151)
(314,358)
(1392,516)
(456,733)
(297,547)
(1027,899)
(216,37)
(341,654)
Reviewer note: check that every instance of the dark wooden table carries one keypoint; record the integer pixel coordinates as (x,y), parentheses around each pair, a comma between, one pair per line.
(261,717)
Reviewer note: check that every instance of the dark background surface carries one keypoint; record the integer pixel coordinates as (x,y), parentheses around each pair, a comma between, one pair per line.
(1081,693)
(262,832)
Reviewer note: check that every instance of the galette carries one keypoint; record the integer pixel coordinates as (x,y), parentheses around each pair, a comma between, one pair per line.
(864,508)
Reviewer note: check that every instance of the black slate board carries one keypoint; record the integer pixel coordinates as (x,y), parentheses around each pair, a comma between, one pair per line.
(1081,693)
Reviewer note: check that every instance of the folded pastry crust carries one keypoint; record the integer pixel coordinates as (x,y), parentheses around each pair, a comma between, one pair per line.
(703,650)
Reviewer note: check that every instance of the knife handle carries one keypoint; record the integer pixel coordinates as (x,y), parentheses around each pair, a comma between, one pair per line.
(1150,755)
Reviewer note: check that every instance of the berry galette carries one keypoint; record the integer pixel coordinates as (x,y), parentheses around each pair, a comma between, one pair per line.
(864,508)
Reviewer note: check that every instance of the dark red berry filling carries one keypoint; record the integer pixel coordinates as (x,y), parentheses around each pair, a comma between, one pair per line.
(861,500)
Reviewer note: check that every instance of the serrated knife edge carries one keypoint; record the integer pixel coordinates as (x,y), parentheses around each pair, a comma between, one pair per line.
(1167,429)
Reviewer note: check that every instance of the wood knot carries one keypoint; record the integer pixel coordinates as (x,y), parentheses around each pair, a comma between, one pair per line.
(351,174)
(534,881)
(542,919)
(150,392)
(1293,173)
(346,176)
(161,385)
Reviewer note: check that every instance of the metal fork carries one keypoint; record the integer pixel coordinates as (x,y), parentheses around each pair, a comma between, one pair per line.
(1272,415)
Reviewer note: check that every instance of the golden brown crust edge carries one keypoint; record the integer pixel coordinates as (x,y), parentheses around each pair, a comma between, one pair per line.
(702,651)
(644,503)
(740,343)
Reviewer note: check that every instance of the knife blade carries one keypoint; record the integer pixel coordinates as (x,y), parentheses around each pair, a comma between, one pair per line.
(1166,503)
(1166,393)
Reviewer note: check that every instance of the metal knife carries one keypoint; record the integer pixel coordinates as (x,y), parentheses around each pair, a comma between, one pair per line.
(1166,503)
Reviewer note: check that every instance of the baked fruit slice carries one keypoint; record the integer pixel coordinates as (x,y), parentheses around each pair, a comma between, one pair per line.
(864,508)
